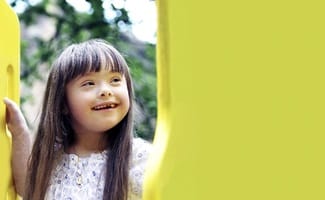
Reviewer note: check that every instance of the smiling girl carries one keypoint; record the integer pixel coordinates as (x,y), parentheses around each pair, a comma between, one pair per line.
(84,146)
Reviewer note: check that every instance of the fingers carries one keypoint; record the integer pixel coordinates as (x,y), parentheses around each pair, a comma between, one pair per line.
(11,105)
(12,110)
(14,118)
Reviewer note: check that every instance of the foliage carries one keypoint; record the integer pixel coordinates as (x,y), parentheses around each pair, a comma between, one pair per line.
(39,50)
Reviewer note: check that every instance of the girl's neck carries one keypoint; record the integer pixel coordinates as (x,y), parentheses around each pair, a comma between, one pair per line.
(87,144)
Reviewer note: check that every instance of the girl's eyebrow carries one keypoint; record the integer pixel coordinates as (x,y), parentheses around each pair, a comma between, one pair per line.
(83,76)
(91,73)
(114,73)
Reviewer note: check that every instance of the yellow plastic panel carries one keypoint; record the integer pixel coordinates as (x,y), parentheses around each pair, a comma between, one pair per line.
(9,86)
(241,104)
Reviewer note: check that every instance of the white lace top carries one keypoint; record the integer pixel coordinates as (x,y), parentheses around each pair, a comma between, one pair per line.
(83,178)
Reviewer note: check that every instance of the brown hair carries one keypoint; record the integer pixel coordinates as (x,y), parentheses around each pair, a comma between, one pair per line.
(55,130)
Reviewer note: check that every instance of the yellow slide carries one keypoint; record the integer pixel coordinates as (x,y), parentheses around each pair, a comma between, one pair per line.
(241,101)
(9,86)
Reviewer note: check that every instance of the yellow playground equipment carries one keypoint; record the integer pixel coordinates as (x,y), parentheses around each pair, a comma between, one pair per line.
(9,86)
(241,107)
(241,104)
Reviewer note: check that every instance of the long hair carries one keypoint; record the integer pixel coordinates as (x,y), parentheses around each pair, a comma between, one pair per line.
(55,130)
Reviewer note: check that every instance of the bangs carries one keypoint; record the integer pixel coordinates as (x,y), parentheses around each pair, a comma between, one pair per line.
(91,56)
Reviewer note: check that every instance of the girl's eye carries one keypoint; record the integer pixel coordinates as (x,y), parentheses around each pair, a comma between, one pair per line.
(87,83)
(115,79)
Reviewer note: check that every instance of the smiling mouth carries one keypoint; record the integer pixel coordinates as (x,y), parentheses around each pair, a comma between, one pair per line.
(106,106)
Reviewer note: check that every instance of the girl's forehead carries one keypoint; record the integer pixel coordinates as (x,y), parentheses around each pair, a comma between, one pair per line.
(100,73)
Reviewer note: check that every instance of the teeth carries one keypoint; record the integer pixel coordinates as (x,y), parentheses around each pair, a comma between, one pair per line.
(112,105)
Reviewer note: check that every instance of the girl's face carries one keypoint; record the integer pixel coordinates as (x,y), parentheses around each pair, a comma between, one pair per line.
(97,101)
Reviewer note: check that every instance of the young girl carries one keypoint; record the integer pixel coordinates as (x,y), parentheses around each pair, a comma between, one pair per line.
(84,146)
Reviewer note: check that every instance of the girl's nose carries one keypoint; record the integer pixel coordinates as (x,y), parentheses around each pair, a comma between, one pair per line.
(105,91)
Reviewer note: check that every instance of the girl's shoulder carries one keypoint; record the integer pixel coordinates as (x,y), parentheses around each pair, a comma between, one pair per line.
(141,150)
(141,143)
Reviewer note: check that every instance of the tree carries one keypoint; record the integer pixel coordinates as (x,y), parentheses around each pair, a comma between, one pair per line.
(38,51)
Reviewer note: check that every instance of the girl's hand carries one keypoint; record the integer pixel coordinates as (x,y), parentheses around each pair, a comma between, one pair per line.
(15,120)
(21,144)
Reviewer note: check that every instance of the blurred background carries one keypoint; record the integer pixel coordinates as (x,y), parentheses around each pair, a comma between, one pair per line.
(48,26)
